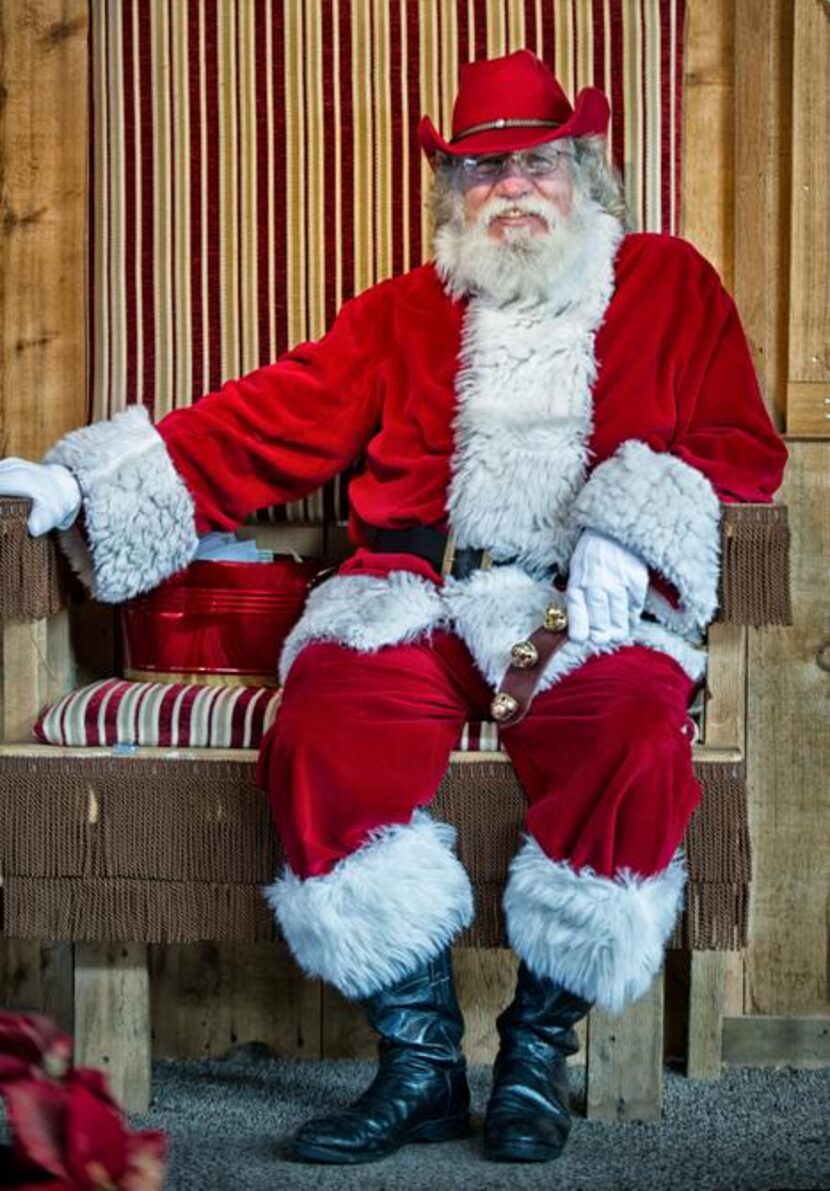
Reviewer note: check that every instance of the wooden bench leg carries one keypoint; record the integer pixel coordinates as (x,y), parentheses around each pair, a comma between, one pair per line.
(625,1061)
(707,988)
(112,1018)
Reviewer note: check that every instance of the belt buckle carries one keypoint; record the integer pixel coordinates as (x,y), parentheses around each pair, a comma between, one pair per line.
(448,561)
(449,554)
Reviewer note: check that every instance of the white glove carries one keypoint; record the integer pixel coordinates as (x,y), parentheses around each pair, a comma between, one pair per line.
(606,589)
(52,489)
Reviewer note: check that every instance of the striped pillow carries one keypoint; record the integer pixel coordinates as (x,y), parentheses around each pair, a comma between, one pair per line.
(116,712)
(183,715)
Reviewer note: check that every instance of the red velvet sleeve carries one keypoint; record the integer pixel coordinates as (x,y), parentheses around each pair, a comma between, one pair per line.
(280,432)
(724,429)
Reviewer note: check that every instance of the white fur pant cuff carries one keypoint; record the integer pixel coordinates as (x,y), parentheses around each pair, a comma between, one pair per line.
(381,912)
(602,938)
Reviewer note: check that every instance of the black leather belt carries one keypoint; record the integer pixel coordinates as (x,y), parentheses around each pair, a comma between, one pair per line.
(437,547)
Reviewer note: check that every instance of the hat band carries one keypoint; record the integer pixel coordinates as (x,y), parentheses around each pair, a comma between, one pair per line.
(505,122)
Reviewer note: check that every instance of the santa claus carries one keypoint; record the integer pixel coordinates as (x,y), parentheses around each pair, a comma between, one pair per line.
(549,414)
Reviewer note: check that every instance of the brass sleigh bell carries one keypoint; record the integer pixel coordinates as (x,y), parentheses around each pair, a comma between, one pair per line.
(524,655)
(555,618)
(503,707)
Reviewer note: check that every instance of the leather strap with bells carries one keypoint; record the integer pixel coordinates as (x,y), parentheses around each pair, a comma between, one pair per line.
(527,663)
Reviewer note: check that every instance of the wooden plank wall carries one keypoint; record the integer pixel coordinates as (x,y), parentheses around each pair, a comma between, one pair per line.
(43,261)
(786,968)
(744,201)
(43,138)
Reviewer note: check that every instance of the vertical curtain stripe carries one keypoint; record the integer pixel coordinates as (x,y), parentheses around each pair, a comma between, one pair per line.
(295,171)
(599,40)
(666,147)
(252,259)
(382,139)
(255,162)
(161,196)
(583,24)
(98,222)
(633,109)
(228,192)
(145,157)
(115,207)
(212,291)
(655,86)
(563,44)
(330,183)
(516,35)
(677,23)
(427,100)
(316,222)
(414,110)
(618,145)
(279,215)
(347,164)
(182,164)
(195,149)
(261,215)
(397,171)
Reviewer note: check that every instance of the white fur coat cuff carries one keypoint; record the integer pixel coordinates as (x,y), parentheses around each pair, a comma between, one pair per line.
(381,912)
(667,512)
(139,516)
(602,938)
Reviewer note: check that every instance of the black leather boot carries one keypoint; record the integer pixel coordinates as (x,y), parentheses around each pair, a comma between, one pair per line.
(420,1090)
(528,1119)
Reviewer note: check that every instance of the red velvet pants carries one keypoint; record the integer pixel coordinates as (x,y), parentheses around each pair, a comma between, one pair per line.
(362,739)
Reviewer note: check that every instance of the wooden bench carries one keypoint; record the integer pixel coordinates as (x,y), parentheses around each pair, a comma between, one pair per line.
(116,851)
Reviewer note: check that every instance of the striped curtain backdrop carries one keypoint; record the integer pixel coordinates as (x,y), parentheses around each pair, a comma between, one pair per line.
(254,162)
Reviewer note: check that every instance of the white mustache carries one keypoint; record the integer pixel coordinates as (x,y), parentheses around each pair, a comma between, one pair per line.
(529,205)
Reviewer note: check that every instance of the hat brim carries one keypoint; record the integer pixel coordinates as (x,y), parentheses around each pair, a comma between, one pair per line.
(590,117)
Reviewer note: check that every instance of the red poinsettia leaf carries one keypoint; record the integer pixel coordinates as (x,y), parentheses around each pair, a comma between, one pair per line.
(12,1067)
(35,1040)
(96,1137)
(30,1036)
(95,1082)
(36,1115)
(146,1155)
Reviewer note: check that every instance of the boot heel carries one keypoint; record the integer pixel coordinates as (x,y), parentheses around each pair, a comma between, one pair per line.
(446,1129)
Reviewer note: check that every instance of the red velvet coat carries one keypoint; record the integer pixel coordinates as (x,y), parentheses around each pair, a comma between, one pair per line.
(674,372)
(625,403)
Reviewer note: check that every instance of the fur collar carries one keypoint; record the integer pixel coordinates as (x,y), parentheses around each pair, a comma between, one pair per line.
(525,414)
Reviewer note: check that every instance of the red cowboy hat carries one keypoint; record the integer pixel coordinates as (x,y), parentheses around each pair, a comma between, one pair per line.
(513,103)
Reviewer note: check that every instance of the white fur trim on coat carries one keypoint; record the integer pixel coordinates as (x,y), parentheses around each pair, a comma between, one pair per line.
(139,516)
(365,612)
(667,512)
(525,410)
(383,911)
(490,611)
(493,609)
(603,938)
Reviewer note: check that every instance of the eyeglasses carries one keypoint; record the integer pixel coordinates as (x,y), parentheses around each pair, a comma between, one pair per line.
(531,163)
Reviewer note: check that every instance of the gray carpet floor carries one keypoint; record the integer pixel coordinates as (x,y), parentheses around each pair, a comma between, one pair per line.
(228,1120)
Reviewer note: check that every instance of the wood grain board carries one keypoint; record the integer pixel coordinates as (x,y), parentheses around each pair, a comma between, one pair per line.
(788,756)
(43,266)
(625,1060)
(763,149)
(112,1018)
(809,306)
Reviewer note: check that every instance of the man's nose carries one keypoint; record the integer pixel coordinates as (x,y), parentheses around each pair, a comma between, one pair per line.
(513,183)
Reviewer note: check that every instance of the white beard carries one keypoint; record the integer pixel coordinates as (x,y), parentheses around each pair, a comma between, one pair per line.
(522,265)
